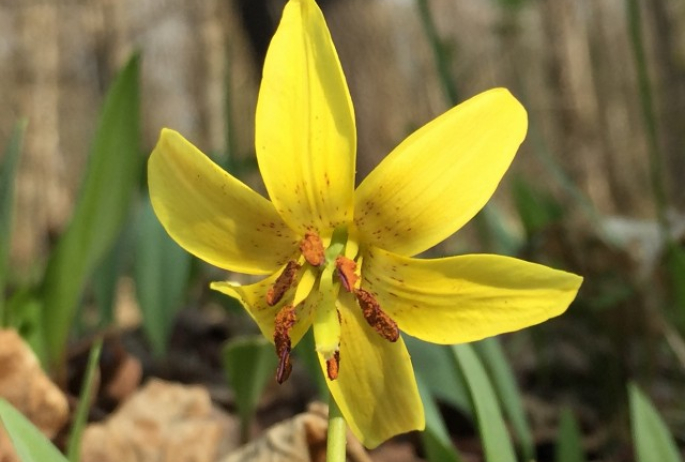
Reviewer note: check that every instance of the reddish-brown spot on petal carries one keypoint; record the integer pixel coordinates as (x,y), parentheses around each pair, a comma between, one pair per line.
(333,366)
(376,317)
(285,320)
(283,283)
(312,248)
(346,272)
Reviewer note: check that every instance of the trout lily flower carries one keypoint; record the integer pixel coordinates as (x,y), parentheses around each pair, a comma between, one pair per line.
(340,259)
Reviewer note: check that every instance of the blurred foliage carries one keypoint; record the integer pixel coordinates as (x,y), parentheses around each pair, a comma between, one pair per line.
(88,387)
(569,445)
(104,205)
(653,441)
(161,269)
(249,364)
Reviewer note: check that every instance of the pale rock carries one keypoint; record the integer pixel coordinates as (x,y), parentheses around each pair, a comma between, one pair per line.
(24,385)
(163,422)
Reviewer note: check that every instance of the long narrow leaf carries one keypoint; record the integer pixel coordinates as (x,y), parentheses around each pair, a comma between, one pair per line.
(569,445)
(111,178)
(653,442)
(161,271)
(29,443)
(249,364)
(436,440)
(7,172)
(493,432)
(434,366)
(495,362)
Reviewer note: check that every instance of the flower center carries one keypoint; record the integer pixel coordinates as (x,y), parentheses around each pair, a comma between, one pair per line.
(336,266)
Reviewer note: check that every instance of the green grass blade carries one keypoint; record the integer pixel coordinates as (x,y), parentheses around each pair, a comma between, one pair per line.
(536,209)
(81,416)
(653,442)
(161,270)
(7,172)
(29,443)
(436,440)
(105,278)
(111,178)
(569,444)
(497,366)
(249,364)
(493,432)
(434,367)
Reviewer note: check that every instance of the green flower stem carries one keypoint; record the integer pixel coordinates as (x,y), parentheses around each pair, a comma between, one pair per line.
(337,433)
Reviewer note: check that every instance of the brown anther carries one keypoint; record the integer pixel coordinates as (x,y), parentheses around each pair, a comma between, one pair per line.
(346,268)
(285,320)
(376,317)
(282,284)
(312,249)
(285,367)
(333,366)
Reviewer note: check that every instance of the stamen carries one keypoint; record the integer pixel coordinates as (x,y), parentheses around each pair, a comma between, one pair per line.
(312,249)
(285,320)
(376,317)
(346,268)
(283,283)
(333,366)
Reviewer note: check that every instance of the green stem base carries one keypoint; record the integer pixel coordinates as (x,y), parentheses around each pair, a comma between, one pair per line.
(337,433)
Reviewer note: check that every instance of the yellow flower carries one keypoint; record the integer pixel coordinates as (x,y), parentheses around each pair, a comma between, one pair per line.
(340,259)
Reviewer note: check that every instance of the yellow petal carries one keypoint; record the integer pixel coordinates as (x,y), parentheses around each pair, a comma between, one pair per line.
(305,132)
(442,175)
(253,299)
(466,298)
(375,389)
(213,215)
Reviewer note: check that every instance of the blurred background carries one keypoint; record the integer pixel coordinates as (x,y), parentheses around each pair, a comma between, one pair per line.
(596,189)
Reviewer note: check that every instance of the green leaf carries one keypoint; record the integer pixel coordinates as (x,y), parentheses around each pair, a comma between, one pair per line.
(536,210)
(249,363)
(653,442)
(7,172)
(29,443)
(24,310)
(502,377)
(436,440)
(106,276)
(161,270)
(569,445)
(493,432)
(110,181)
(434,366)
(85,397)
